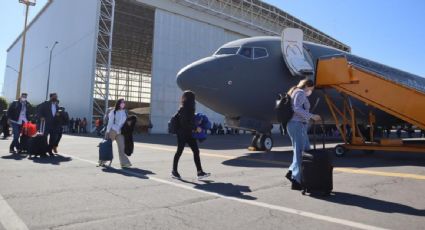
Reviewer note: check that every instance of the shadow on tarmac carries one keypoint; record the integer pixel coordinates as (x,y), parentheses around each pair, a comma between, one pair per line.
(17,157)
(225,189)
(372,204)
(131,172)
(356,159)
(56,160)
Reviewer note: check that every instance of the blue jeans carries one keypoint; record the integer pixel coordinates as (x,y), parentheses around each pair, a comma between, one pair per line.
(298,133)
(16,130)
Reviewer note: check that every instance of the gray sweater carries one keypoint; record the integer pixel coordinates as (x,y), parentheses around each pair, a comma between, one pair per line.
(301,106)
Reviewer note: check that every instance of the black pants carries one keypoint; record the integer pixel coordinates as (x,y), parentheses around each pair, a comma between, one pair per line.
(181,142)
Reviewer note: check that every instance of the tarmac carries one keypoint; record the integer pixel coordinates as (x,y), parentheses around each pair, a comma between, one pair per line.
(247,190)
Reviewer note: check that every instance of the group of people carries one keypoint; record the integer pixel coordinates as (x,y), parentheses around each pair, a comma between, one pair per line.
(77,125)
(49,117)
(119,128)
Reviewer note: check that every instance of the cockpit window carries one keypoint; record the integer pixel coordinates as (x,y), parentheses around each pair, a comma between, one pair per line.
(246,52)
(260,53)
(227,51)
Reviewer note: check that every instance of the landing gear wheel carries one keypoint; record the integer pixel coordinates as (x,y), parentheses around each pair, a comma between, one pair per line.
(254,141)
(265,143)
(340,151)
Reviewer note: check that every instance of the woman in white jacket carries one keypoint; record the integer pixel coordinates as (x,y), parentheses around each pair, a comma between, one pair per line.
(116,120)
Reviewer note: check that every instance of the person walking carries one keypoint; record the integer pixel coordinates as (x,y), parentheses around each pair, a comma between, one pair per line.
(5,125)
(186,127)
(47,113)
(116,119)
(61,120)
(298,126)
(18,113)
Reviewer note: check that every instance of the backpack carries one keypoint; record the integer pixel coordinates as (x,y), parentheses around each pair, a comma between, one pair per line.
(174,123)
(284,110)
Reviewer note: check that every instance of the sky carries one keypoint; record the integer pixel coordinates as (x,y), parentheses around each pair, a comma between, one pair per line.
(391,32)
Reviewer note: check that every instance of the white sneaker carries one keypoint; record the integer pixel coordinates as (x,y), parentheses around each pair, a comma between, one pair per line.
(126,166)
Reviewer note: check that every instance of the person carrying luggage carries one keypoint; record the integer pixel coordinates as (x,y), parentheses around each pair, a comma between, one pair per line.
(185,119)
(116,119)
(18,113)
(297,128)
(47,113)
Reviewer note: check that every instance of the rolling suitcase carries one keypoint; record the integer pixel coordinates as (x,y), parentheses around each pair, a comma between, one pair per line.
(28,131)
(105,152)
(317,170)
(37,145)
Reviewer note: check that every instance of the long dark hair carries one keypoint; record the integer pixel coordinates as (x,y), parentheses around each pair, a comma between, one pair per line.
(117,105)
(188,101)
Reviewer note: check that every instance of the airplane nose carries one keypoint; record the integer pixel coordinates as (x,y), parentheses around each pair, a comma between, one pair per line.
(195,75)
(185,78)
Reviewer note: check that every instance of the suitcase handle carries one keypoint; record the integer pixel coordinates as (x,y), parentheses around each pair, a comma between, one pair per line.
(42,128)
(322,125)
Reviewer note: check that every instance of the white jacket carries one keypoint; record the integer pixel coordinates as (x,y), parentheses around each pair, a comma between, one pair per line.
(116,121)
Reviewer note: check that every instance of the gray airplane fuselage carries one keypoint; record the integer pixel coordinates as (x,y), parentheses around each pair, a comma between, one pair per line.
(245,89)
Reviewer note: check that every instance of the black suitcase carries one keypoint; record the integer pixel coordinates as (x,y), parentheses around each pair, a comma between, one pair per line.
(37,145)
(317,170)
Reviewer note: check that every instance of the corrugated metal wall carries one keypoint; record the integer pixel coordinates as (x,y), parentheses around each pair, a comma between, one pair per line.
(179,41)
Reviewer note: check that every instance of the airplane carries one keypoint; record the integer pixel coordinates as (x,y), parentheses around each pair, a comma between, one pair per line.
(243,79)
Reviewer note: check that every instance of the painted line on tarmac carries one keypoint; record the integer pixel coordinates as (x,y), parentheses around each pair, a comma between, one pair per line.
(8,218)
(283,163)
(311,215)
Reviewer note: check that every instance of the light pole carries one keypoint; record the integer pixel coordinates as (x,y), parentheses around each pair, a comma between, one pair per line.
(50,64)
(24,35)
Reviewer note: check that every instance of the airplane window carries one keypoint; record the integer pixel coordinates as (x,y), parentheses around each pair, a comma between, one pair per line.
(246,52)
(229,50)
(260,53)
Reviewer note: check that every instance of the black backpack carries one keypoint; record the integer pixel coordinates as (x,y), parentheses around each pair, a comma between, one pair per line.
(284,109)
(173,124)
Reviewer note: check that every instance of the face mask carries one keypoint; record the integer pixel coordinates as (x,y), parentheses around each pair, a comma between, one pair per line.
(308,93)
(23,99)
(122,105)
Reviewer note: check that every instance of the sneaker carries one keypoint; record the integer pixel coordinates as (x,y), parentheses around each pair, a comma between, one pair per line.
(296,186)
(101,164)
(202,175)
(175,175)
(12,151)
(126,166)
(289,175)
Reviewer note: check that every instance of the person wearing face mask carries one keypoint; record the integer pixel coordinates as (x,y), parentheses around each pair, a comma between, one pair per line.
(116,120)
(47,112)
(18,113)
(297,127)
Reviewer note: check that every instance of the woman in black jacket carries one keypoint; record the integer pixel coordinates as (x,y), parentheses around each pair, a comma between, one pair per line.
(185,128)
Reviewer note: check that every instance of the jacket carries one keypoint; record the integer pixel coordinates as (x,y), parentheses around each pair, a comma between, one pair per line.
(186,122)
(14,110)
(127,131)
(45,111)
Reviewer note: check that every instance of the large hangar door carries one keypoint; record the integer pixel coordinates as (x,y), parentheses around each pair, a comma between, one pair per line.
(130,73)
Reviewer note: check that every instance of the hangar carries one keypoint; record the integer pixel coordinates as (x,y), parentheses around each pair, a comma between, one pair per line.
(133,49)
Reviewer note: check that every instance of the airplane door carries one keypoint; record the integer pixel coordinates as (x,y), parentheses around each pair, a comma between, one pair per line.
(293,52)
